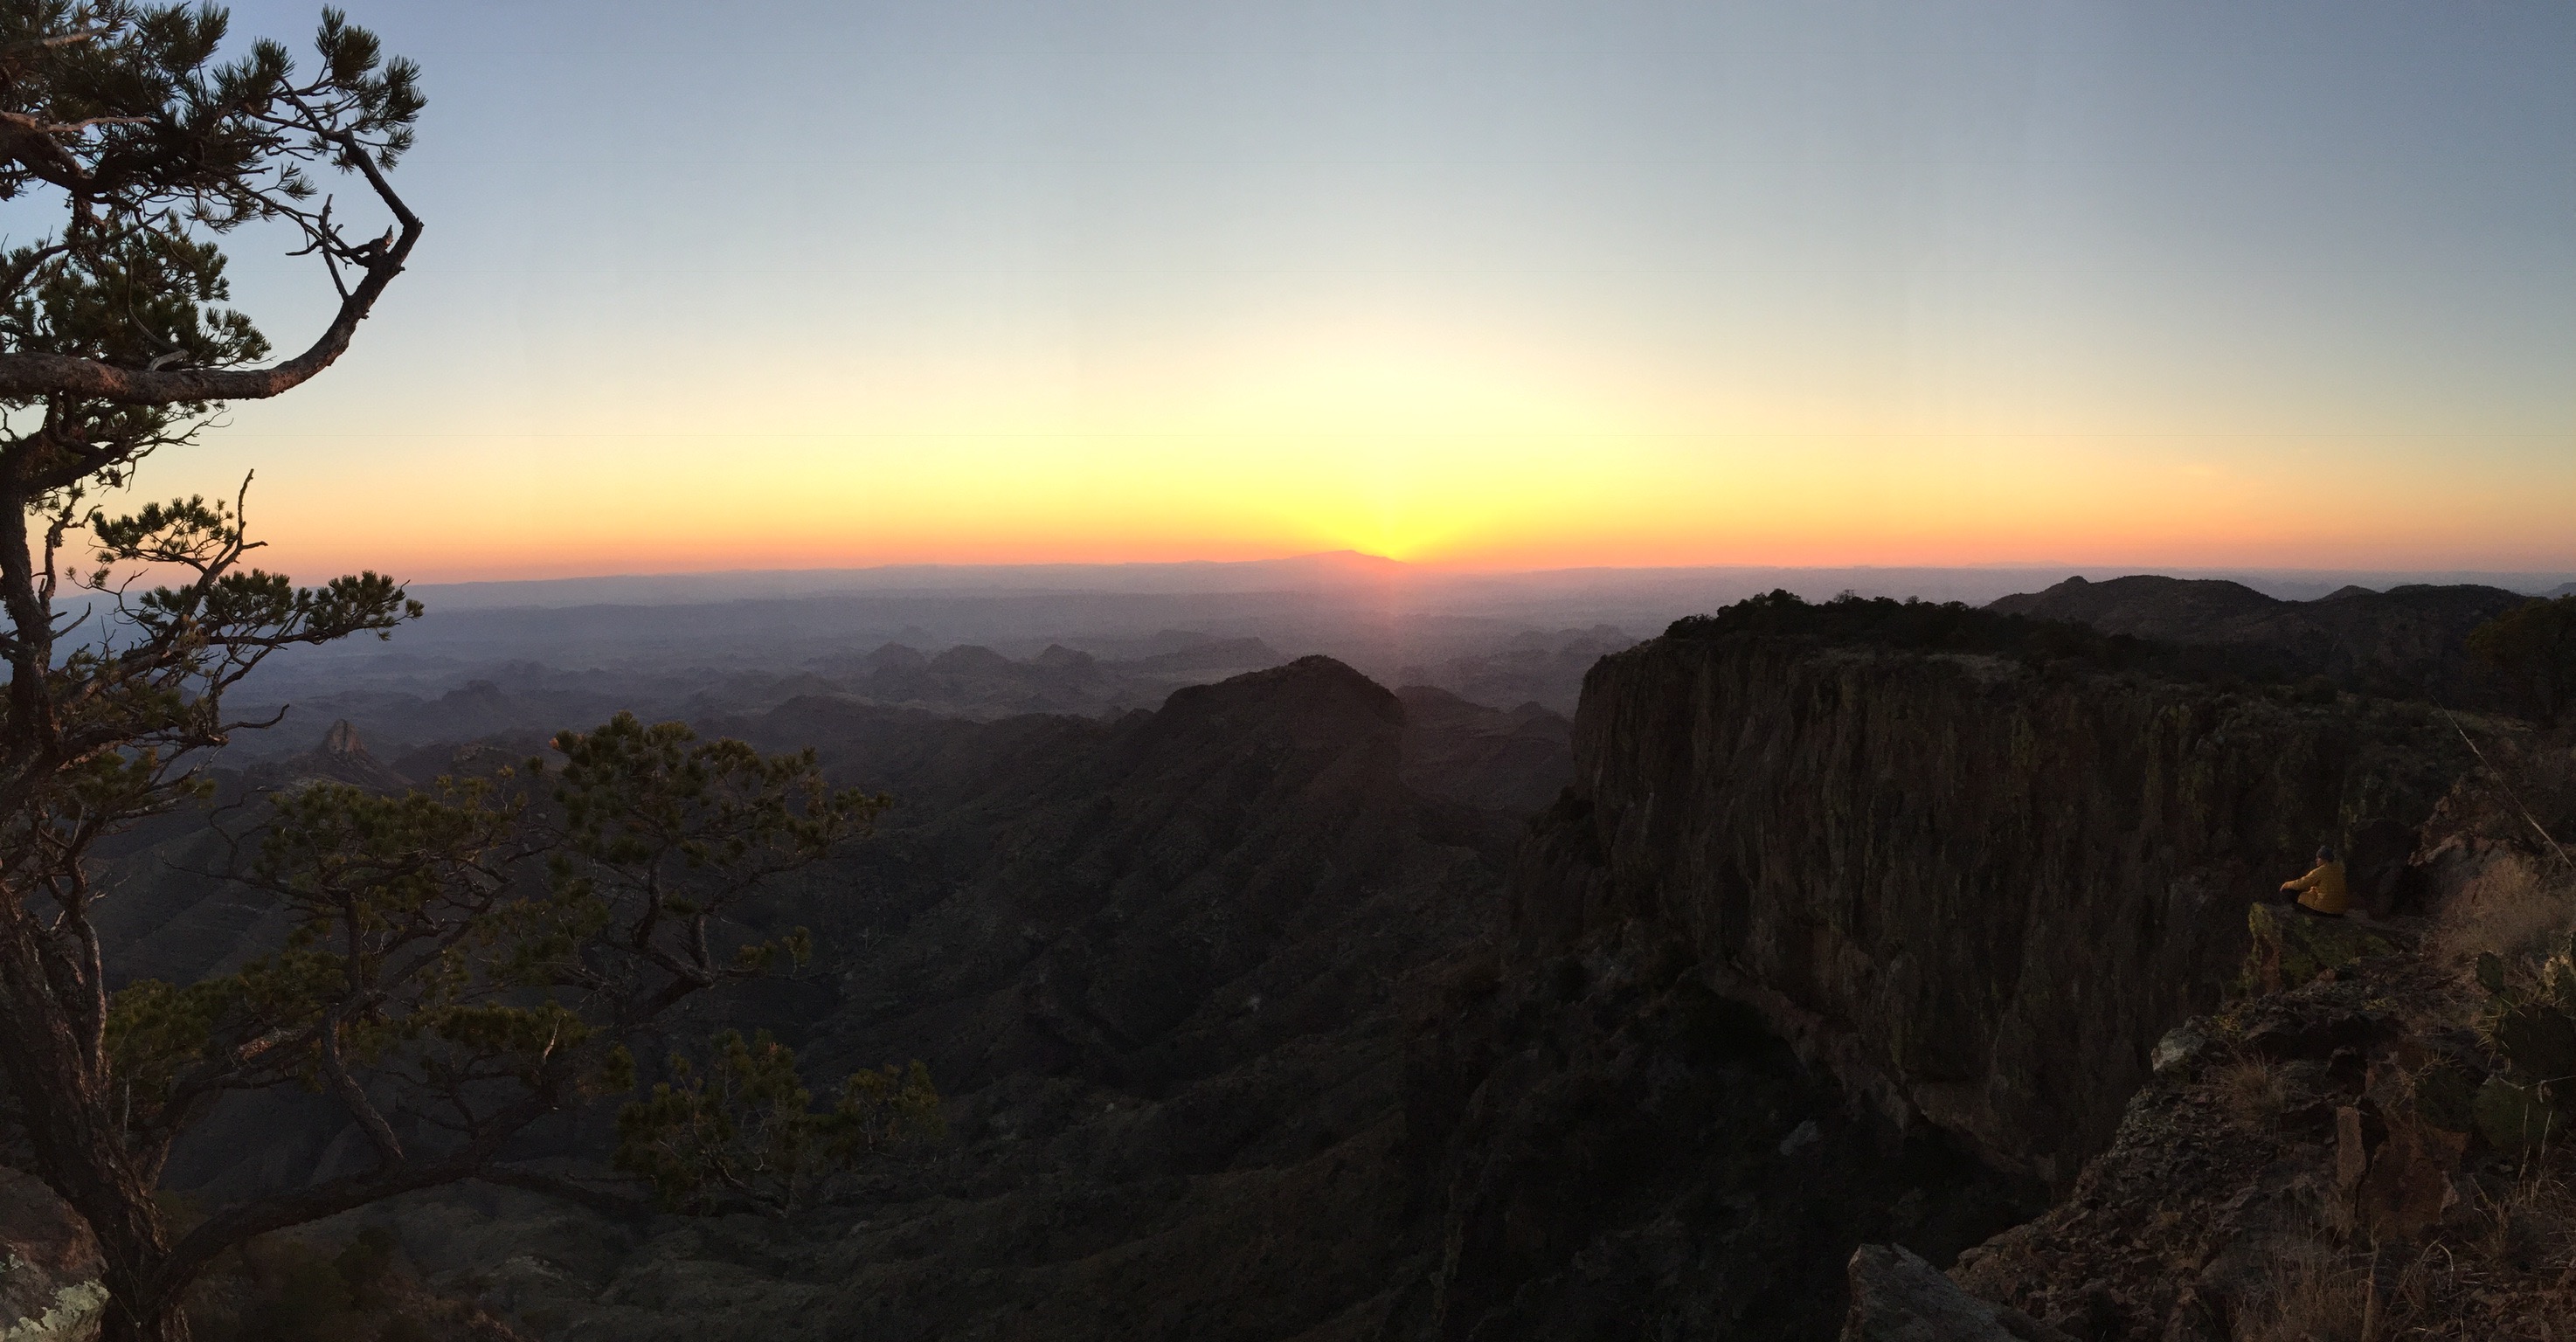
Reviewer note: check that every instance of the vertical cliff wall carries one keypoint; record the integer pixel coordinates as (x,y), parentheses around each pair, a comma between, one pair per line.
(1984,888)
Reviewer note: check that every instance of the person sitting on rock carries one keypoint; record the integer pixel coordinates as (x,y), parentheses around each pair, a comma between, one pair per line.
(2322,890)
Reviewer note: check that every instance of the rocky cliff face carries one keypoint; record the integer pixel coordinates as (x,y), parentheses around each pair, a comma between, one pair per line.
(1977,890)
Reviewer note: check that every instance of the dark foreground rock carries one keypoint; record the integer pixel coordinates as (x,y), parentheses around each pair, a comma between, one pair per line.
(49,1266)
(1897,1297)
(2315,1168)
(1615,1149)
(2291,948)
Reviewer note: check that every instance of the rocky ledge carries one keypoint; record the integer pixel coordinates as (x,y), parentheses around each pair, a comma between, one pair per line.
(2310,1163)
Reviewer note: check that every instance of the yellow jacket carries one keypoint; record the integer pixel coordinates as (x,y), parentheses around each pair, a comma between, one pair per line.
(2324,887)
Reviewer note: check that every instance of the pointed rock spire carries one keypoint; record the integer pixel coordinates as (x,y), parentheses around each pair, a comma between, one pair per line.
(342,739)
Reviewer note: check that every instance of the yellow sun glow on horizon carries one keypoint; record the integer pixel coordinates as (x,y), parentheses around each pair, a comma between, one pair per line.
(1423,446)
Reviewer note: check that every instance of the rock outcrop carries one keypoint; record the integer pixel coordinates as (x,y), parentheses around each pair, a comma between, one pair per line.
(2291,948)
(1610,1148)
(1897,1297)
(1978,890)
(2312,1168)
(49,1266)
(340,758)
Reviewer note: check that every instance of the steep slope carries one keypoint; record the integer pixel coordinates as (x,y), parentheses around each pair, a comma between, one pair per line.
(1514,763)
(1607,1146)
(1232,1052)
(1107,911)
(167,917)
(1165,970)
(1979,891)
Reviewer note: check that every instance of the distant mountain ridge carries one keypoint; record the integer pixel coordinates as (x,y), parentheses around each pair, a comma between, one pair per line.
(566,653)
(2402,641)
(1344,569)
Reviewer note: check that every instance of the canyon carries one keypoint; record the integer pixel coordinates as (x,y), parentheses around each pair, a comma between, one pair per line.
(1303,1008)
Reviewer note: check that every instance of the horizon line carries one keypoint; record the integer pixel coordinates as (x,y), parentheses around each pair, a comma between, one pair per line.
(1389,564)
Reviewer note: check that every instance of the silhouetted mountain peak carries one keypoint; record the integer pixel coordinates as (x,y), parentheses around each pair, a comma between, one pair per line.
(1058,657)
(1209,654)
(475,692)
(2181,610)
(1354,563)
(969,659)
(1307,701)
(896,657)
(2391,642)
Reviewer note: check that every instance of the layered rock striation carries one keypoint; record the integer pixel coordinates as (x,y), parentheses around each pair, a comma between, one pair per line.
(1976,889)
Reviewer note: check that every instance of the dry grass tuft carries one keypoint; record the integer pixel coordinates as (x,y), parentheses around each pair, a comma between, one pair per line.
(2515,1281)
(2253,1090)
(2512,907)
(2533,1226)
(2310,1297)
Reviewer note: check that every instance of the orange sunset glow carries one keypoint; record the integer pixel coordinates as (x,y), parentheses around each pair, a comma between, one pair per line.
(1657,290)
(1446,455)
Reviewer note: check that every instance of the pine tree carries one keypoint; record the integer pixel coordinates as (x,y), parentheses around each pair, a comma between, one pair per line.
(466,960)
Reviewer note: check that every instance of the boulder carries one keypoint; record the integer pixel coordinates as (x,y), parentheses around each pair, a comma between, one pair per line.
(2179,1049)
(2292,948)
(49,1266)
(1897,1297)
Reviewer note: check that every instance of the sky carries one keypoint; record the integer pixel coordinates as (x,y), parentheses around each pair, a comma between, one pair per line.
(1483,285)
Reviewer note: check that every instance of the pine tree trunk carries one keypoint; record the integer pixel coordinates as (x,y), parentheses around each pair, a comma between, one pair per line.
(132,1240)
(141,1318)
(81,1145)
(134,1248)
